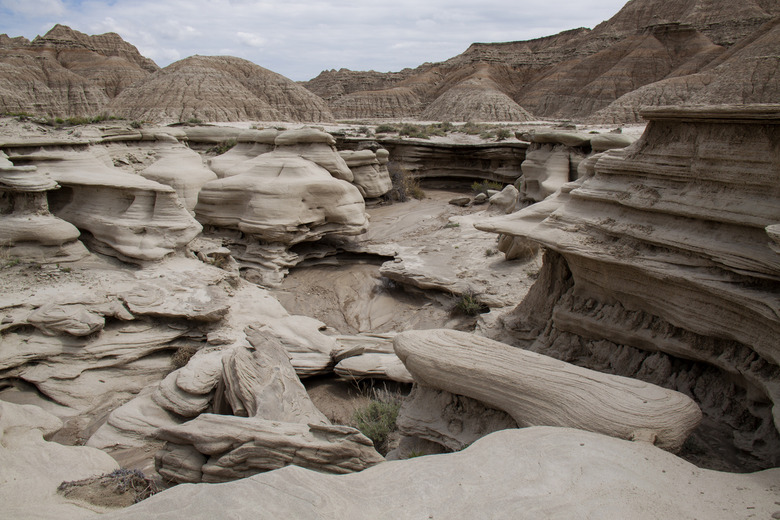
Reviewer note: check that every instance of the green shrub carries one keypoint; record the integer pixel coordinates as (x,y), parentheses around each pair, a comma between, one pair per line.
(194,121)
(484,186)
(222,147)
(449,225)
(490,251)
(386,129)
(136,124)
(405,185)
(468,304)
(377,420)
(503,134)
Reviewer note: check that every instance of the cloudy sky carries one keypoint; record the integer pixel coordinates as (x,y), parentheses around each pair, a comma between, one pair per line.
(300,38)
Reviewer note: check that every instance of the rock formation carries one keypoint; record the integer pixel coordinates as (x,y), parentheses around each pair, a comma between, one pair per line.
(180,168)
(249,144)
(576,73)
(127,216)
(660,266)
(539,472)
(218,88)
(300,192)
(538,390)
(29,232)
(369,170)
(553,159)
(29,488)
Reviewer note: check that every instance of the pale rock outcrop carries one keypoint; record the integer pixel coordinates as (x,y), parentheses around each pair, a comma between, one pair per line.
(538,390)
(538,472)
(554,156)
(31,468)
(239,447)
(317,146)
(282,198)
(29,231)
(249,144)
(273,423)
(129,217)
(180,168)
(370,180)
(372,356)
(660,266)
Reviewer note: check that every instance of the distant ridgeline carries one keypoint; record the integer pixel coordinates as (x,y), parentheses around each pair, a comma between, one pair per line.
(649,53)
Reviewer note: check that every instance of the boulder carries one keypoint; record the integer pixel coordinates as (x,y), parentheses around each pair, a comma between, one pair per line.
(538,390)
(239,447)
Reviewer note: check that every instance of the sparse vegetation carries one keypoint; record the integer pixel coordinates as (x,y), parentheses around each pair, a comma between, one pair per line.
(484,186)
(136,124)
(451,225)
(121,482)
(386,129)
(377,420)
(222,147)
(182,356)
(490,251)
(415,453)
(405,185)
(194,121)
(468,304)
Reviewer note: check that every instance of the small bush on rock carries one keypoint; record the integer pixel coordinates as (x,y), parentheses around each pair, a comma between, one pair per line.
(222,147)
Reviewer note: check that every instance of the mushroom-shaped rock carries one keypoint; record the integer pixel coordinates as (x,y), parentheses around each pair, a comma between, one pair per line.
(317,146)
(27,230)
(283,198)
(370,179)
(249,144)
(180,168)
(128,216)
(538,390)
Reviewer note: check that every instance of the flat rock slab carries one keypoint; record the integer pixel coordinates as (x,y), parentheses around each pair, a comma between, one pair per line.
(539,472)
(539,390)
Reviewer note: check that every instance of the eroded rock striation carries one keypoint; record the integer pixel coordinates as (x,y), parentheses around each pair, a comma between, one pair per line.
(660,266)
(218,88)
(537,390)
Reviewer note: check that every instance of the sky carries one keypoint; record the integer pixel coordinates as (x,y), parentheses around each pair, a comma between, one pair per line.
(301,38)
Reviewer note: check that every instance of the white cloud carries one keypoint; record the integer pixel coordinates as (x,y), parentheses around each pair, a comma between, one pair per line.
(251,39)
(34,8)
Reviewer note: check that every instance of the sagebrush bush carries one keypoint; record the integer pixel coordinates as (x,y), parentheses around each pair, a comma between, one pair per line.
(377,420)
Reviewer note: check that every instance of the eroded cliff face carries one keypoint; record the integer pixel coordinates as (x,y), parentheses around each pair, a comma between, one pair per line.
(67,73)
(577,73)
(661,266)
